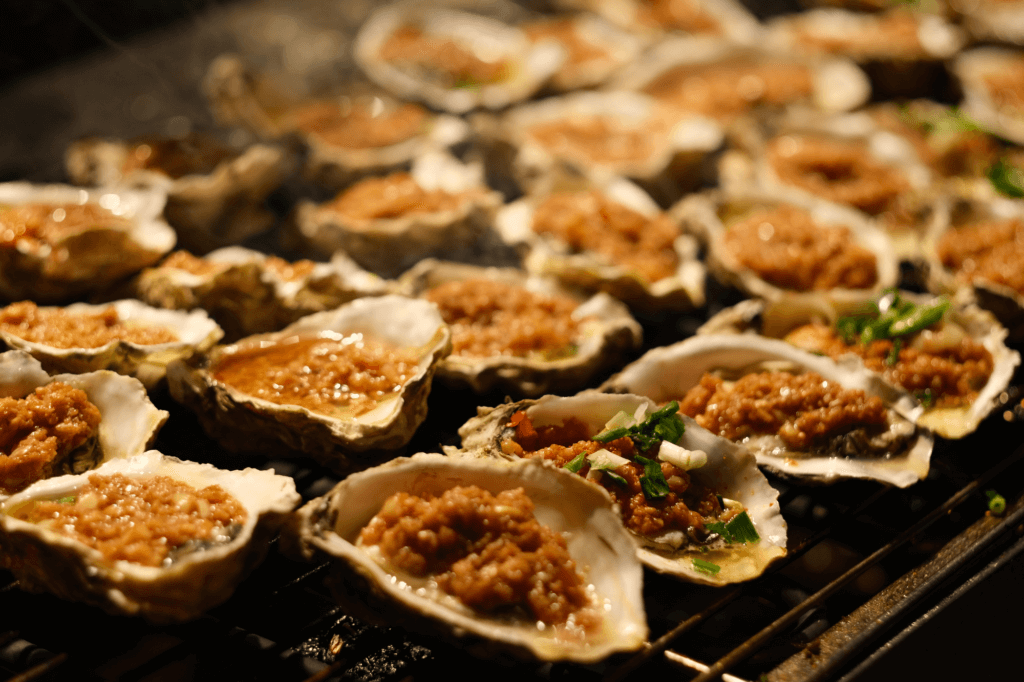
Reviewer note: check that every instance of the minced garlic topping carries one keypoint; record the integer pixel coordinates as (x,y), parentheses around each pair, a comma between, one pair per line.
(601,139)
(39,432)
(49,223)
(183,260)
(358,125)
(458,66)
(146,520)
(393,196)
(176,158)
(991,250)
(60,329)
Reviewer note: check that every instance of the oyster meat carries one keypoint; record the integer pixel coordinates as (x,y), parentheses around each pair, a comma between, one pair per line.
(365,582)
(803,415)
(679,527)
(331,386)
(135,574)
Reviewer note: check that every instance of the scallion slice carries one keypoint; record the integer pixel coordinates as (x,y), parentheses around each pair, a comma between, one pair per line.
(706,567)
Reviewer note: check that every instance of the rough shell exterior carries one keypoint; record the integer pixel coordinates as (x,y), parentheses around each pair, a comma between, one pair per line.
(777,318)
(196,333)
(607,333)
(242,423)
(731,471)
(666,373)
(87,260)
(328,526)
(45,561)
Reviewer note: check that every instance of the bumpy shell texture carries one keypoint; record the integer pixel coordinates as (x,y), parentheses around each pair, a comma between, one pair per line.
(600,546)
(730,470)
(44,560)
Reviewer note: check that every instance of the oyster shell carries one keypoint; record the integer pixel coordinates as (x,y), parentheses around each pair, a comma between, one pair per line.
(208,207)
(249,292)
(243,422)
(712,214)
(606,331)
(992,19)
(44,560)
(389,233)
(719,18)
(392,133)
(119,233)
(603,135)
(128,420)
(499,64)
(776,319)
(195,332)
(730,471)
(993,85)
(682,289)
(668,373)
(583,514)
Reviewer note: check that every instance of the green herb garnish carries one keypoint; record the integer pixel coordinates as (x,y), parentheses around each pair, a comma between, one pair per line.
(614,476)
(894,354)
(70,499)
(1007,180)
(900,317)
(739,529)
(996,502)
(706,567)
(925,397)
(653,481)
(664,424)
(576,463)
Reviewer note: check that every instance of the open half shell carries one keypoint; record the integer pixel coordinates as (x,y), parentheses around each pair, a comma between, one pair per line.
(667,373)
(45,560)
(730,471)
(992,79)
(599,545)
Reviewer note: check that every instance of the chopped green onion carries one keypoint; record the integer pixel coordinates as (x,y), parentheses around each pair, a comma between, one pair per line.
(681,457)
(925,397)
(891,318)
(576,463)
(894,354)
(664,424)
(996,502)
(70,499)
(614,476)
(609,436)
(603,459)
(920,317)
(620,421)
(706,567)
(653,481)
(1006,179)
(739,529)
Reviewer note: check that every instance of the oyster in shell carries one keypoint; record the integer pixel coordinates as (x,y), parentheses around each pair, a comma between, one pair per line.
(992,79)
(729,471)
(348,136)
(726,19)
(953,339)
(895,452)
(54,337)
(332,385)
(215,194)
(997,20)
(61,242)
(249,292)
(599,545)
(618,242)
(127,421)
(521,333)
(452,60)
(768,246)
(202,573)
(387,224)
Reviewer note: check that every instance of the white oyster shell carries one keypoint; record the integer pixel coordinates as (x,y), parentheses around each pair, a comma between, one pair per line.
(775,319)
(730,470)
(674,163)
(207,210)
(129,422)
(607,331)
(390,245)
(667,373)
(598,543)
(241,422)
(992,19)
(247,295)
(530,65)
(84,260)
(182,591)
(196,333)
(262,106)
(982,98)
(706,214)
(681,291)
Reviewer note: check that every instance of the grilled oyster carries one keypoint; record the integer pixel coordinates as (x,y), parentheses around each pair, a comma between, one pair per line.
(963,339)
(892,449)
(215,193)
(249,292)
(113,416)
(726,19)
(363,582)
(331,386)
(993,85)
(693,551)
(61,242)
(521,333)
(200,570)
(452,60)
(128,337)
